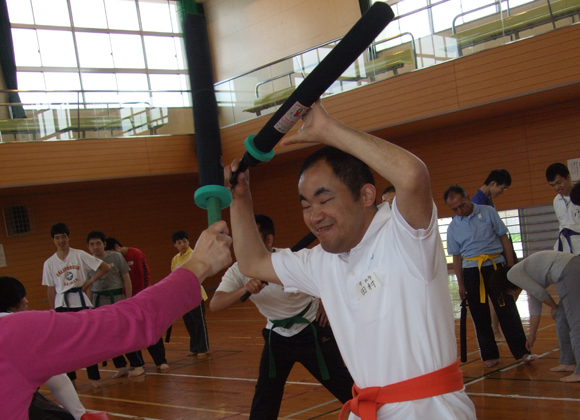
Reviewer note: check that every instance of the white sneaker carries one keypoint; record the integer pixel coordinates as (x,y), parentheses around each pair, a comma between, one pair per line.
(124,371)
(138,371)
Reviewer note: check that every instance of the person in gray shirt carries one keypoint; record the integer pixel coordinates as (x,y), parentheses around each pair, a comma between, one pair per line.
(534,274)
(114,286)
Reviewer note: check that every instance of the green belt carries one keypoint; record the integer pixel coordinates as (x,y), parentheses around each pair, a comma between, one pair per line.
(287,323)
(110,293)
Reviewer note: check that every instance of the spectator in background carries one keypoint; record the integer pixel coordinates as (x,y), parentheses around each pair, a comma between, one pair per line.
(534,275)
(140,279)
(477,239)
(109,289)
(65,274)
(568,213)
(195,319)
(494,185)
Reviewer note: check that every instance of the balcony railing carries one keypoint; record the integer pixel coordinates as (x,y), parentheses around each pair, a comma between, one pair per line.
(433,34)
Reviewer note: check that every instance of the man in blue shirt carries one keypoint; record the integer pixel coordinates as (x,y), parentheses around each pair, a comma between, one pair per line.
(476,238)
(495,185)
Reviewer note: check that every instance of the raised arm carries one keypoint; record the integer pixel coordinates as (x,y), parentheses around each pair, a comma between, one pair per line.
(253,258)
(404,170)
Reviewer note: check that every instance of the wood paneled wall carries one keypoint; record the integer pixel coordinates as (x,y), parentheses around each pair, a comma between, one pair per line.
(245,35)
(48,162)
(141,213)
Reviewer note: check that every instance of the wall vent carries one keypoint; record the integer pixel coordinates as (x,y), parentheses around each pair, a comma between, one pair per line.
(17,221)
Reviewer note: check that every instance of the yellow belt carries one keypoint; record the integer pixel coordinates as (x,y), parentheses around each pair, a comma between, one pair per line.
(480,260)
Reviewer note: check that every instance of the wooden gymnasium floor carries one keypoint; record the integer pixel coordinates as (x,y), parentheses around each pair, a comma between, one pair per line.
(221,385)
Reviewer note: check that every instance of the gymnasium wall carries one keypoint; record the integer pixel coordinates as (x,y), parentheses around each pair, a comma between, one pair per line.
(252,33)
(142,212)
(514,107)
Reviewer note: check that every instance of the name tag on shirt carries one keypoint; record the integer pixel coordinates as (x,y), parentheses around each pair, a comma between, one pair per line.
(367,285)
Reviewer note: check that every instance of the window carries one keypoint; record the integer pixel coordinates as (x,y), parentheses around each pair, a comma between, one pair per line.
(99,45)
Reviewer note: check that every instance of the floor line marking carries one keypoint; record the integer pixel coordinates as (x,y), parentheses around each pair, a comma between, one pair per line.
(129,416)
(505,369)
(527,397)
(182,407)
(225,378)
(312,408)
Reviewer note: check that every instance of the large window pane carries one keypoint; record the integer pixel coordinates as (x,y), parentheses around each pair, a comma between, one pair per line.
(131,81)
(57,48)
(135,82)
(31,81)
(89,13)
(51,12)
(99,81)
(444,13)
(62,81)
(20,11)
(26,47)
(166,82)
(94,50)
(161,53)
(155,15)
(122,14)
(127,51)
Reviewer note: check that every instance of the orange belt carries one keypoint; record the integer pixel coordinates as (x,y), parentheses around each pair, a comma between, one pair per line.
(366,402)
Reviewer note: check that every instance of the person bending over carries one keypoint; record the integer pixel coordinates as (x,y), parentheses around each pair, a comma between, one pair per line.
(534,274)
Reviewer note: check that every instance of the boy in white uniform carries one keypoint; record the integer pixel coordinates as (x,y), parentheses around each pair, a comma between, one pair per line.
(382,277)
(287,339)
(65,274)
(568,213)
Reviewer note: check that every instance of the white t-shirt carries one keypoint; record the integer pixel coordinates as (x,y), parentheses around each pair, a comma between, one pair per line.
(273,302)
(389,303)
(568,215)
(68,274)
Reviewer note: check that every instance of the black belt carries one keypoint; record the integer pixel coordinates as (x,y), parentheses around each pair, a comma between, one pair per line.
(78,290)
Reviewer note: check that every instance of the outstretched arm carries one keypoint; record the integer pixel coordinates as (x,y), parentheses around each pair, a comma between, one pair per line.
(404,170)
(111,330)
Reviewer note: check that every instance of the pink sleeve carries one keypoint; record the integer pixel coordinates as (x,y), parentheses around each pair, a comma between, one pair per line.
(41,344)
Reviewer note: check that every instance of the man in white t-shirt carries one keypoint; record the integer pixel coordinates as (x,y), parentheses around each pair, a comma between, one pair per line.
(65,274)
(381,275)
(297,331)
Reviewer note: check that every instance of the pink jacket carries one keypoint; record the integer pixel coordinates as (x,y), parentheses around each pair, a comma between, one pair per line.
(36,345)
